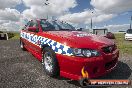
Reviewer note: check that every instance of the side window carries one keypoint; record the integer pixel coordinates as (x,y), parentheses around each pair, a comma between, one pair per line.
(46,26)
(33,24)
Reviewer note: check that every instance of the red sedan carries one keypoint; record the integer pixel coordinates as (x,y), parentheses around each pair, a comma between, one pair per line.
(65,51)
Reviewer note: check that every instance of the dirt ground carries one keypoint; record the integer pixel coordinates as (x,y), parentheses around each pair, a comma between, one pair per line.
(20,69)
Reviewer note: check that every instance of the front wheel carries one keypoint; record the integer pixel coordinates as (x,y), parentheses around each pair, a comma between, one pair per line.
(50,62)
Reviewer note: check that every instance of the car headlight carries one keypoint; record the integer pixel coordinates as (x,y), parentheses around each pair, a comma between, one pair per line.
(77,52)
(85,52)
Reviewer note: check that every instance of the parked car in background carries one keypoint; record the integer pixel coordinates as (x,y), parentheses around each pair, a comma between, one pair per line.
(128,34)
(110,35)
(4,36)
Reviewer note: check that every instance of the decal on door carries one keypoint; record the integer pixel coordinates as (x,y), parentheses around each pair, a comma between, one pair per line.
(39,41)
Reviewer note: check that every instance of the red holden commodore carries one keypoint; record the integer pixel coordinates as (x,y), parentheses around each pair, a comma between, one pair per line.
(65,51)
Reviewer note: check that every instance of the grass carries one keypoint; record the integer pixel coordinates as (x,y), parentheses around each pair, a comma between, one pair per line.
(16,36)
(124,46)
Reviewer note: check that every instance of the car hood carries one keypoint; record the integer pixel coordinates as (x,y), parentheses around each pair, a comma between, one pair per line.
(128,34)
(81,39)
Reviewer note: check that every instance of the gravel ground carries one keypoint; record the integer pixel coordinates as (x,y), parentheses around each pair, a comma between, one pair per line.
(20,69)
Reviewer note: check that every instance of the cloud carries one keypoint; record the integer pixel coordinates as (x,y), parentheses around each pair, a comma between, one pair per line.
(102,17)
(12,19)
(9,3)
(85,17)
(10,26)
(9,15)
(112,6)
(9,19)
(3,21)
(117,28)
(28,14)
(103,10)
(38,9)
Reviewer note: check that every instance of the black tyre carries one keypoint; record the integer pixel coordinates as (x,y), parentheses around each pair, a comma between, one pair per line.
(22,46)
(50,62)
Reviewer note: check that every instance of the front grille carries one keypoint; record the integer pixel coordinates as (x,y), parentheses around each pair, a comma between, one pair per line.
(109,49)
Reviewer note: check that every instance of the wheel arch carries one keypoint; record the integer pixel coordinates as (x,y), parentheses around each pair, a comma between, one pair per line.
(43,46)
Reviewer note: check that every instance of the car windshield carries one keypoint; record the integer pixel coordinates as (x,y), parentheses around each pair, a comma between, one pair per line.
(129,31)
(56,26)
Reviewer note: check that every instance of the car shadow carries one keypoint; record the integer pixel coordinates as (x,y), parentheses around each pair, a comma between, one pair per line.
(122,71)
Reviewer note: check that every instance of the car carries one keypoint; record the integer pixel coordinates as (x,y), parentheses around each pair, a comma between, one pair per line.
(4,36)
(128,34)
(67,52)
(110,35)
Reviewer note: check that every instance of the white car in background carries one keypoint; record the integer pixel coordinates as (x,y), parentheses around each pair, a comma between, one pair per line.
(128,34)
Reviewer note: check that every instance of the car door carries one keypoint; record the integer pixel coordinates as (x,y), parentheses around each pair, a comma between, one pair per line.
(35,44)
(24,32)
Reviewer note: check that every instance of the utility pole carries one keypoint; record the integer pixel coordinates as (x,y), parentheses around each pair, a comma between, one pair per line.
(47,3)
(131,22)
(92,22)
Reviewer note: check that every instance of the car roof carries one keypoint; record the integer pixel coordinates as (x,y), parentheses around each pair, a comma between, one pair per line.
(40,19)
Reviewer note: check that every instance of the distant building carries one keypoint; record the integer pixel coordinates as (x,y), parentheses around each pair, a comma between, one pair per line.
(86,30)
(100,31)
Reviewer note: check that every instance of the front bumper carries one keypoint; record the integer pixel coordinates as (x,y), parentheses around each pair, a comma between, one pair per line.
(128,38)
(70,66)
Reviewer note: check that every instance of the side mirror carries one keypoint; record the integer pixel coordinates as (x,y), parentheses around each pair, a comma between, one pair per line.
(124,33)
(33,29)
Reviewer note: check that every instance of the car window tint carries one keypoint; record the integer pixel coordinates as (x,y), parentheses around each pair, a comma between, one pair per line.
(46,25)
(31,24)
(35,24)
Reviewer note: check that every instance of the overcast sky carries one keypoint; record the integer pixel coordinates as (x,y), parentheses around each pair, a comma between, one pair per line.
(112,14)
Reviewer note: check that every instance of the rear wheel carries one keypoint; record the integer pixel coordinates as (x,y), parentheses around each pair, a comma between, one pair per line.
(22,46)
(50,62)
